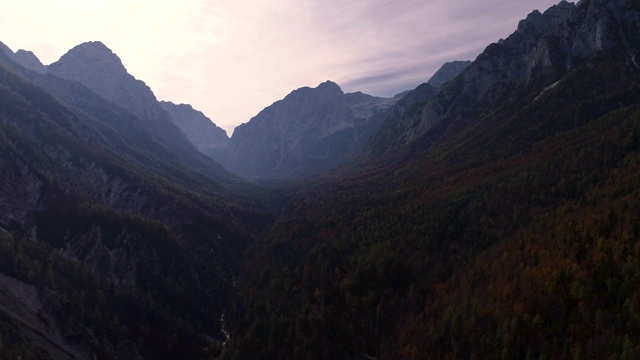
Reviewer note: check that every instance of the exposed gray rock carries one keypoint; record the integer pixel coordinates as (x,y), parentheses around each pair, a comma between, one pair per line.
(24,58)
(403,116)
(307,130)
(118,262)
(95,66)
(28,60)
(447,72)
(198,128)
(4,48)
(21,302)
(538,54)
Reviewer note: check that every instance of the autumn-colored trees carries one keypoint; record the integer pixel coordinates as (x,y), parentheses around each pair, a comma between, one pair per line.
(515,237)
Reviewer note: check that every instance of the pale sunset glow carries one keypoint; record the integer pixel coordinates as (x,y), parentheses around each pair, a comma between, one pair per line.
(232,59)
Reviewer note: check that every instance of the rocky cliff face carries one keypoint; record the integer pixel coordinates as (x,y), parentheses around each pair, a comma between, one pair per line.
(447,72)
(92,65)
(29,60)
(95,66)
(87,181)
(24,58)
(198,128)
(538,54)
(307,130)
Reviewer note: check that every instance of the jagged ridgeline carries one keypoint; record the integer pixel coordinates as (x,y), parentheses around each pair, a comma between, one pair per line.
(496,217)
(492,212)
(118,240)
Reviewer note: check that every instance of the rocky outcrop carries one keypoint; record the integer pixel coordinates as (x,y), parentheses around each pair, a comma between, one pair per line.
(95,66)
(308,130)
(24,58)
(84,178)
(447,72)
(137,113)
(29,60)
(25,308)
(539,53)
(198,128)
(402,116)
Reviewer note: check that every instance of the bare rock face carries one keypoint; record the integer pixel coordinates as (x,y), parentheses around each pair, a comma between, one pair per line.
(198,128)
(307,130)
(29,61)
(5,49)
(24,58)
(96,67)
(545,46)
(20,197)
(447,72)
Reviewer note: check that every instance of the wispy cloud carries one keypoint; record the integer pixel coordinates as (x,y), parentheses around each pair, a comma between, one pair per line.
(231,59)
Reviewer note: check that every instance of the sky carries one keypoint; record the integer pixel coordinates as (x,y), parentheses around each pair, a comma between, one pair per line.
(230,59)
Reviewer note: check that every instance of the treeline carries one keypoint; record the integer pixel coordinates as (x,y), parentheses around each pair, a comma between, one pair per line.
(97,316)
(515,237)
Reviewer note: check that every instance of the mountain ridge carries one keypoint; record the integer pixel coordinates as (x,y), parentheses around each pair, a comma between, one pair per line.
(199,129)
(306,131)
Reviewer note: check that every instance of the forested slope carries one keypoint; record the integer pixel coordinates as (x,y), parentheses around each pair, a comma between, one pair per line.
(513,236)
(117,236)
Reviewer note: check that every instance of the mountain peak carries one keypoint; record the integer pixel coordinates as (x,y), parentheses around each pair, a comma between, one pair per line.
(198,128)
(29,60)
(94,55)
(328,84)
(538,23)
(447,72)
(93,47)
(329,87)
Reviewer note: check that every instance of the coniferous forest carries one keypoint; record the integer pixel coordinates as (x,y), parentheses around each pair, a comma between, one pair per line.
(496,217)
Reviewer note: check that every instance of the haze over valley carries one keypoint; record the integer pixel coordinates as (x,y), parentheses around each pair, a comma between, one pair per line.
(486,207)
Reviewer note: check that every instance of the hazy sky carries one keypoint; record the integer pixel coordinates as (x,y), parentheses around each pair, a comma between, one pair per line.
(230,59)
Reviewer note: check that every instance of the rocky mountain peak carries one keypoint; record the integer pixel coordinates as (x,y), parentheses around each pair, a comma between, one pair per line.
(539,23)
(447,72)
(307,130)
(29,60)
(324,91)
(24,58)
(329,87)
(198,128)
(95,66)
(94,55)
(544,48)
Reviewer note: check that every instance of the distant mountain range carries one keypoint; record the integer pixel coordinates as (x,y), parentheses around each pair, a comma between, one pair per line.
(308,131)
(491,212)
(109,197)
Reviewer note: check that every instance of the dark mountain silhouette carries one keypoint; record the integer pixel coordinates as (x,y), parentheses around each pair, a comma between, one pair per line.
(492,218)
(111,220)
(494,215)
